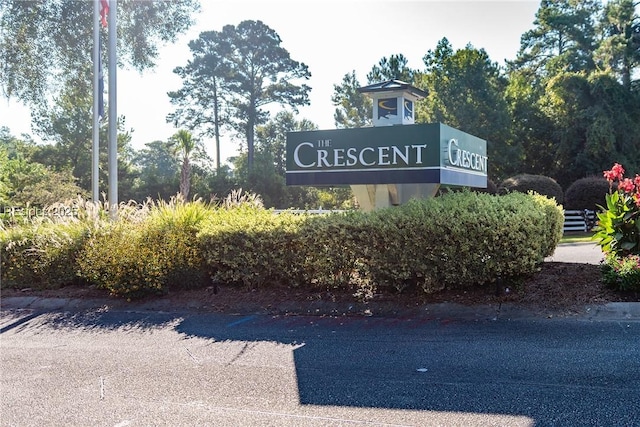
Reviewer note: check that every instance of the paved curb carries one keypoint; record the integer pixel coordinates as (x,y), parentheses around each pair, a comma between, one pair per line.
(56,304)
(613,311)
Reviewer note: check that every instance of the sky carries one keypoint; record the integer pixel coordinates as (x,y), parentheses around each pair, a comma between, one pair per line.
(332,37)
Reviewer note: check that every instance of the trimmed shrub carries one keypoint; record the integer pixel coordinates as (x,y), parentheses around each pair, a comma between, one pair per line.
(251,246)
(463,239)
(540,184)
(152,256)
(621,273)
(43,251)
(172,229)
(459,239)
(553,229)
(41,254)
(118,259)
(491,189)
(587,193)
(335,249)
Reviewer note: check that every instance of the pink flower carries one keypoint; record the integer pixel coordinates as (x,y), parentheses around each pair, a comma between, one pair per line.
(636,181)
(626,185)
(616,172)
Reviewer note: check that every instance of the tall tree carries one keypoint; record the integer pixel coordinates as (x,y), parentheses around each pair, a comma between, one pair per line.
(353,109)
(272,137)
(619,49)
(67,124)
(251,68)
(532,132)
(161,166)
(42,42)
(66,129)
(596,122)
(392,68)
(262,73)
(466,91)
(563,38)
(267,178)
(158,171)
(202,99)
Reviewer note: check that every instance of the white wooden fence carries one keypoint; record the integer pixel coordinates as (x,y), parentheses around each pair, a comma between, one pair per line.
(579,220)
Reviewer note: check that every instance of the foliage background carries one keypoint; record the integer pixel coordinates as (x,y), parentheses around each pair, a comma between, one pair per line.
(566,107)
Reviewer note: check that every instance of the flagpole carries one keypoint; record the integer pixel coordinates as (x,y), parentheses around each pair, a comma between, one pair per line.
(95,146)
(113,113)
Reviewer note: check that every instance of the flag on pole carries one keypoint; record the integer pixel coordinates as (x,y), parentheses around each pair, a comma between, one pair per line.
(104,10)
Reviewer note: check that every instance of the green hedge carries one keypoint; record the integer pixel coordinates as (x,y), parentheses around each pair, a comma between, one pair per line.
(459,239)
(463,239)
(151,256)
(41,254)
(251,245)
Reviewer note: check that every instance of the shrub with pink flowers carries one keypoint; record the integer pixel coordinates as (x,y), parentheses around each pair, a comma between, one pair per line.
(621,273)
(618,230)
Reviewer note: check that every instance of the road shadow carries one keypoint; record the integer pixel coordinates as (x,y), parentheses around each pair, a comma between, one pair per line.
(546,371)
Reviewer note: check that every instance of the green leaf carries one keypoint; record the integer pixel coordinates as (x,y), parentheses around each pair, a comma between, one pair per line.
(612,201)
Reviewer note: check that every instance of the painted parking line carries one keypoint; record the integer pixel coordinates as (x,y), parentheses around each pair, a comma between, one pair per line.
(241,321)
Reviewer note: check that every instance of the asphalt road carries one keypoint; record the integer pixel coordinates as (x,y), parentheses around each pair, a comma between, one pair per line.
(117,368)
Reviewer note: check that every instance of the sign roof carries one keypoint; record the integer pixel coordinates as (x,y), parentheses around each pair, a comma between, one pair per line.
(392,86)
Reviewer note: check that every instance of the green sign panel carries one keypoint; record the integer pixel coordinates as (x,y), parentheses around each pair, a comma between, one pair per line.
(424,153)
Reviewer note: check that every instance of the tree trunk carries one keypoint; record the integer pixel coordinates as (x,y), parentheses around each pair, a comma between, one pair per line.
(185,178)
(216,124)
(251,123)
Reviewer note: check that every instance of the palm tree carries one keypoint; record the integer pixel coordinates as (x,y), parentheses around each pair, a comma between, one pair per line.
(183,144)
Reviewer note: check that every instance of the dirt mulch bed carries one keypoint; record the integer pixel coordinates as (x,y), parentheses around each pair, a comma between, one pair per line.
(562,288)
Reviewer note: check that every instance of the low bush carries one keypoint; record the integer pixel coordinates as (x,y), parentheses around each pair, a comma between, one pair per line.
(172,229)
(463,239)
(586,193)
(252,246)
(553,228)
(152,256)
(621,273)
(41,254)
(540,184)
(456,240)
(333,249)
(118,259)
(41,248)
